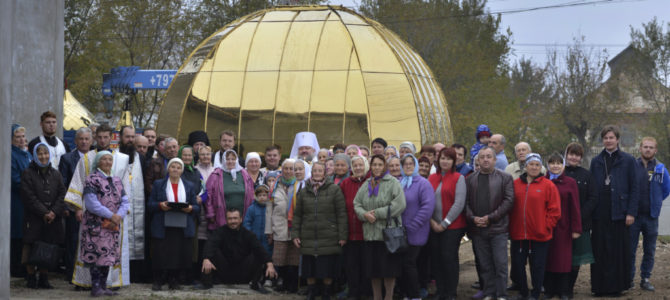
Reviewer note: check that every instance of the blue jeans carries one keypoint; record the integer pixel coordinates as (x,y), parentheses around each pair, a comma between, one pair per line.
(648,226)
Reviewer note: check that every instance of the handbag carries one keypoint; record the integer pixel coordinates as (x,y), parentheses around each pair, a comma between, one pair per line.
(44,255)
(395,238)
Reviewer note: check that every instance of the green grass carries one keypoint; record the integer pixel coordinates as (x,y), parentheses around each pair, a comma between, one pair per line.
(664,239)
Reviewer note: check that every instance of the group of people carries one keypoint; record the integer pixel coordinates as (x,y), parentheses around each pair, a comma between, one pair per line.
(154,211)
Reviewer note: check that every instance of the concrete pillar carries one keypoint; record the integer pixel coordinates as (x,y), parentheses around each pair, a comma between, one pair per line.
(31,82)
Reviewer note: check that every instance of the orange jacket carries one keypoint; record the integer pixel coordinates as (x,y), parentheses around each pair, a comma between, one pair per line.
(537,208)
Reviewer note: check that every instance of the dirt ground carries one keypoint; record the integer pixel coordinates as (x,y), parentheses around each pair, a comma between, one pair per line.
(660,279)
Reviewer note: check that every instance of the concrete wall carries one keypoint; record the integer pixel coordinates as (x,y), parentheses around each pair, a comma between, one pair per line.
(31,82)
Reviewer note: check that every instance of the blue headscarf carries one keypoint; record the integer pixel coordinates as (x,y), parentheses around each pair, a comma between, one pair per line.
(15,127)
(406,180)
(37,160)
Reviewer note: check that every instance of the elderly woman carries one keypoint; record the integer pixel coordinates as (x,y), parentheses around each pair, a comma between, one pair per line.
(277,225)
(252,164)
(537,208)
(353,250)
(320,230)
(323,155)
(407,148)
(352,150)
(42,193)
(302,172)
(420,202)
(448,222)
(20,161)
(106,205)
(394,166)
(569,227)
(342,166)
(205,168)
(365,152)
(174,207)
(190,174)
(390,151)
(229,186)
(330,167)
(381,197)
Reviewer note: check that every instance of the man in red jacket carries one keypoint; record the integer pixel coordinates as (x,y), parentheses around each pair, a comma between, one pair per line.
(537,208)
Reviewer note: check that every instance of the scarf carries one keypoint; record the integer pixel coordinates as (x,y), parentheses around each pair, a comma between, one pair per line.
(407,179)
(233,172)
(553,176)
(37,160)
(189,166)
(181,192)
(316,184)
(373,186)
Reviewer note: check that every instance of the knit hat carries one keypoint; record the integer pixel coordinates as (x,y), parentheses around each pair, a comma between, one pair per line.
(176,160)
(262,188)
(533,157)
(198,136)
(16,127)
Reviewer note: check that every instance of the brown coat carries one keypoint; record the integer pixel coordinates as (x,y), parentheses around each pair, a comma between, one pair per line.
(156,170)
(501,191)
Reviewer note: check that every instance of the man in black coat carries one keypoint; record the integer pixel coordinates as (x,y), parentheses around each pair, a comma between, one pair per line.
(236,255)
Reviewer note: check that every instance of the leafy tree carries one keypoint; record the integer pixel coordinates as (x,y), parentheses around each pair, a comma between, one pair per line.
(579,99)
(652,76)
(467,51)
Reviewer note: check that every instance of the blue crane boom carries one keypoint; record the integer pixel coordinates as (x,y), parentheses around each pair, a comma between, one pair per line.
(128,80)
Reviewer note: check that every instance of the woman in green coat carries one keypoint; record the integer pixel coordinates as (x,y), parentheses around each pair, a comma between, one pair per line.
(371,205)
(320,229)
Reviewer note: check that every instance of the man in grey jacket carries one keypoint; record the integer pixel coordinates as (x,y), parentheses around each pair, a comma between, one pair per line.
(490,197)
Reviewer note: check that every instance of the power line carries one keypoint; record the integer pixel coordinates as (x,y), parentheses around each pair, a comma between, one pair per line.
(516,10)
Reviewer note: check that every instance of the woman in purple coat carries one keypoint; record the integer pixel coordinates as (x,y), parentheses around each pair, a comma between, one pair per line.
(106,205)
(569,227)
(420,200)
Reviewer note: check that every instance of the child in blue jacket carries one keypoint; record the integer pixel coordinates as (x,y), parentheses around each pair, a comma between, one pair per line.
(254,220)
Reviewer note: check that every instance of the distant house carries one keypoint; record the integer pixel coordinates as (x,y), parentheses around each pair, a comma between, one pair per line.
(631,78)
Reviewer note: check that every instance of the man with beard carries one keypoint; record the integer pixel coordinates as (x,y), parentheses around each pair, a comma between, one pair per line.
(150,134)
(305,146)
(49,124)
(67,166)
(134,187)
(226,142)
(118,274)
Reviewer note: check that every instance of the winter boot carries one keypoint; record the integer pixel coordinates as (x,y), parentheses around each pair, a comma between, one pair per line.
(104,271)
(292,286)
(31,281)
(325,292)
(311,291)
(43,282)
(96,289)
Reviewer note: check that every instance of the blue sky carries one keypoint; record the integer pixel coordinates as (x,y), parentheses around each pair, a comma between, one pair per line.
(604,25)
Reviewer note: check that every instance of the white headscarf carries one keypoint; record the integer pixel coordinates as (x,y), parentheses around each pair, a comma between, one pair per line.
(181,190)
(305,138)
(233,172)
(252,155)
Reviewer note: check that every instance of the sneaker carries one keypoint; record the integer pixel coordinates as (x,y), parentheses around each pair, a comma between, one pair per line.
(646,285)
(478,295)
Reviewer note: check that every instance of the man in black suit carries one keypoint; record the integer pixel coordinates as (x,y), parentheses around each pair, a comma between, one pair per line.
(68,163)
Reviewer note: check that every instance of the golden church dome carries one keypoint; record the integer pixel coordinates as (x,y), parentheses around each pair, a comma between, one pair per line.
(325,69)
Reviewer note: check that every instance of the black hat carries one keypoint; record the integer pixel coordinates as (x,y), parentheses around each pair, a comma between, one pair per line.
(380,141)
(198,136)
